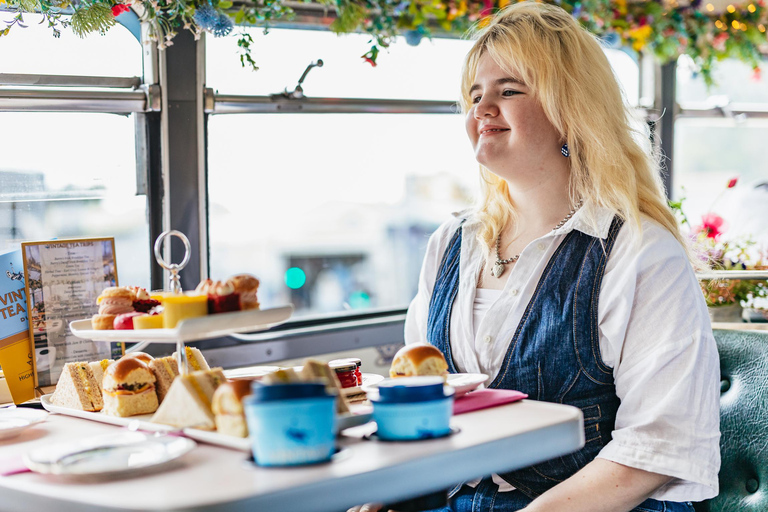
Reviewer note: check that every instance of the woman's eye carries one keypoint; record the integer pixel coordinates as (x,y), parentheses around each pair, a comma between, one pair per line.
(509,92)
(476,99)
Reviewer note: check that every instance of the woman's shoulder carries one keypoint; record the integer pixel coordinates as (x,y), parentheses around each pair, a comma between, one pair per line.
(651,241)
(465,219)
(441,237)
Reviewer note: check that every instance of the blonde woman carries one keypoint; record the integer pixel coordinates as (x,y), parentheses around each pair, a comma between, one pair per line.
(570,280)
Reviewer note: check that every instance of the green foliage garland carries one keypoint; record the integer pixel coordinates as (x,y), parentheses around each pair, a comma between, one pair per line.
(661,27)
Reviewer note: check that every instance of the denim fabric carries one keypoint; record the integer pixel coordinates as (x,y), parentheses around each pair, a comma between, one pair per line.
(553,356)
(486,498)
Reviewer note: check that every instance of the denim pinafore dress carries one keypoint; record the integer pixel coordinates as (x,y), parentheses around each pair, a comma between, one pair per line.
(554,354)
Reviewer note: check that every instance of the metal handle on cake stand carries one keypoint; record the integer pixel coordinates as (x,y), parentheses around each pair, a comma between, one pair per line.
(174,283)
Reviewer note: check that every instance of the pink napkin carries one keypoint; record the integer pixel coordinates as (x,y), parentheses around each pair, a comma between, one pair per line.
(12,466)
(485,398)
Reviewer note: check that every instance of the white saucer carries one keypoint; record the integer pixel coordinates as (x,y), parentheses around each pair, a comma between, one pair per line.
(14,420)
(110,455)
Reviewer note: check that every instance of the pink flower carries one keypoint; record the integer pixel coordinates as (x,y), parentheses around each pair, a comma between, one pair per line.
(711,225)
(732,182)
(370,61)
(718,43)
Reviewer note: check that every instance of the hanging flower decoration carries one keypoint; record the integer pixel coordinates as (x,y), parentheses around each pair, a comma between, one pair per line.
(666,28)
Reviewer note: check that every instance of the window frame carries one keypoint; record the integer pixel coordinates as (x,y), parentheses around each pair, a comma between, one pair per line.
(171,92)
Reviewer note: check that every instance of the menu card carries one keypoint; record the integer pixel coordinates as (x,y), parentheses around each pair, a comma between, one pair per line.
(15,356)
(64,279)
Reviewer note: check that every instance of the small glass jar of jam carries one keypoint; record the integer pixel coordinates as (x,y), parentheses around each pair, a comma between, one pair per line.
(346,370)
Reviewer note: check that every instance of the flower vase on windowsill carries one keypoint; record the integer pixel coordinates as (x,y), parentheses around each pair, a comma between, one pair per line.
(725,314)
(725,298)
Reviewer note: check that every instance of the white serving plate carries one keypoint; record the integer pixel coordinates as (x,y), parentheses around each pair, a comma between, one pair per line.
(462,383)
(359,415)
(191,329)
(15,420)
(108,456)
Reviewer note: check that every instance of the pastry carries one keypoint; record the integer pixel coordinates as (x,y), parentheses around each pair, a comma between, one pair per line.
(151,321)
(222,297)
(246,286)
(129,388)
(141,300)
(418,359)
(182,306)
(78,389)
(113,301)
(125,321)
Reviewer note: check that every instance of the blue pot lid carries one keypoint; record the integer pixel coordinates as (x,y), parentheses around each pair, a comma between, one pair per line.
(272,392)
(412,389)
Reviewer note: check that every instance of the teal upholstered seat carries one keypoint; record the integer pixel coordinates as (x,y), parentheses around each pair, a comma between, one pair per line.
(743,422)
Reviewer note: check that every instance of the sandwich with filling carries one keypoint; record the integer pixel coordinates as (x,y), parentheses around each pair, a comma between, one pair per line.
(129,388)
(78,389)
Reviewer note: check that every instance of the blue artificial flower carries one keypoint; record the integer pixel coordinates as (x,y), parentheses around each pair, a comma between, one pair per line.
(413,37)
(223,26)
(611,40)
(576,10)
(401,8)
(206,17)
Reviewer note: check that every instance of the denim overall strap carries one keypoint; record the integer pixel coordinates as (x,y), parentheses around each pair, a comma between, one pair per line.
(443,296)
(554,354)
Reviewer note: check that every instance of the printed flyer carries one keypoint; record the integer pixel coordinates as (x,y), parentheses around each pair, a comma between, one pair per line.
(15,353)
(64,279)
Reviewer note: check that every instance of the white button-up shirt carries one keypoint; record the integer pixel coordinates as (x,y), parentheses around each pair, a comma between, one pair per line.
(654,332)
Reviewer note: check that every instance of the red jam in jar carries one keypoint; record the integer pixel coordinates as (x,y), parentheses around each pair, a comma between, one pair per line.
(346,370)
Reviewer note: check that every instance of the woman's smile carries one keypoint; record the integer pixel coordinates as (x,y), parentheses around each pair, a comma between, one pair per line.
(488,130)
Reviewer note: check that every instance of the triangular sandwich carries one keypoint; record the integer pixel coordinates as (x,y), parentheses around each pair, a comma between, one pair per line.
(166,369)
(188,402)
(77,388)
(195,360)
(98,368)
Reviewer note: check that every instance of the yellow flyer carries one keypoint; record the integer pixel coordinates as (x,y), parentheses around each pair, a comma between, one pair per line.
(15,353)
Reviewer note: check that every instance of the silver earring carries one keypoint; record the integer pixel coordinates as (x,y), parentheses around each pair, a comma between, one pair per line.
(565,151)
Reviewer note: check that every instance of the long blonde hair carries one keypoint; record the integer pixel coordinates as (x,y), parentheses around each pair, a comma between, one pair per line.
(567,71)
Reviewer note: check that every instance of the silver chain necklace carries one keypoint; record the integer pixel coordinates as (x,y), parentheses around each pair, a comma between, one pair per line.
(499,268)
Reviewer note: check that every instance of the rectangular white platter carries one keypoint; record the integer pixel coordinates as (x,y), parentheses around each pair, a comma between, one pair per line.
(191,329)
(360,414)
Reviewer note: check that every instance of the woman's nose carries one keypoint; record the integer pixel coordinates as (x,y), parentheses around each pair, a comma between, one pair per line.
(485,108)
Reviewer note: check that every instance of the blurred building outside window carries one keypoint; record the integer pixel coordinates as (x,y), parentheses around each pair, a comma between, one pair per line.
(333,211)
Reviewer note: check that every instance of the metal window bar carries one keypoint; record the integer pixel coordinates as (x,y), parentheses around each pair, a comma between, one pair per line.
(231,104)
(51,93)
(733,274)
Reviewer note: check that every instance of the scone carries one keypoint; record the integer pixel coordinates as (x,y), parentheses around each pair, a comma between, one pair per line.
(418,359)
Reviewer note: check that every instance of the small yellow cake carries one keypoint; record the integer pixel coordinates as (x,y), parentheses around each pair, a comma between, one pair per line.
(148,322)
(180,307)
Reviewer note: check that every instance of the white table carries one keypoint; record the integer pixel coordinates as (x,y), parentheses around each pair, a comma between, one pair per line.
(213,478)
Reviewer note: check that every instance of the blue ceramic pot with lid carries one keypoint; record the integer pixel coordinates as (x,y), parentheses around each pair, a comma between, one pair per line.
(290,424)
(409,408)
